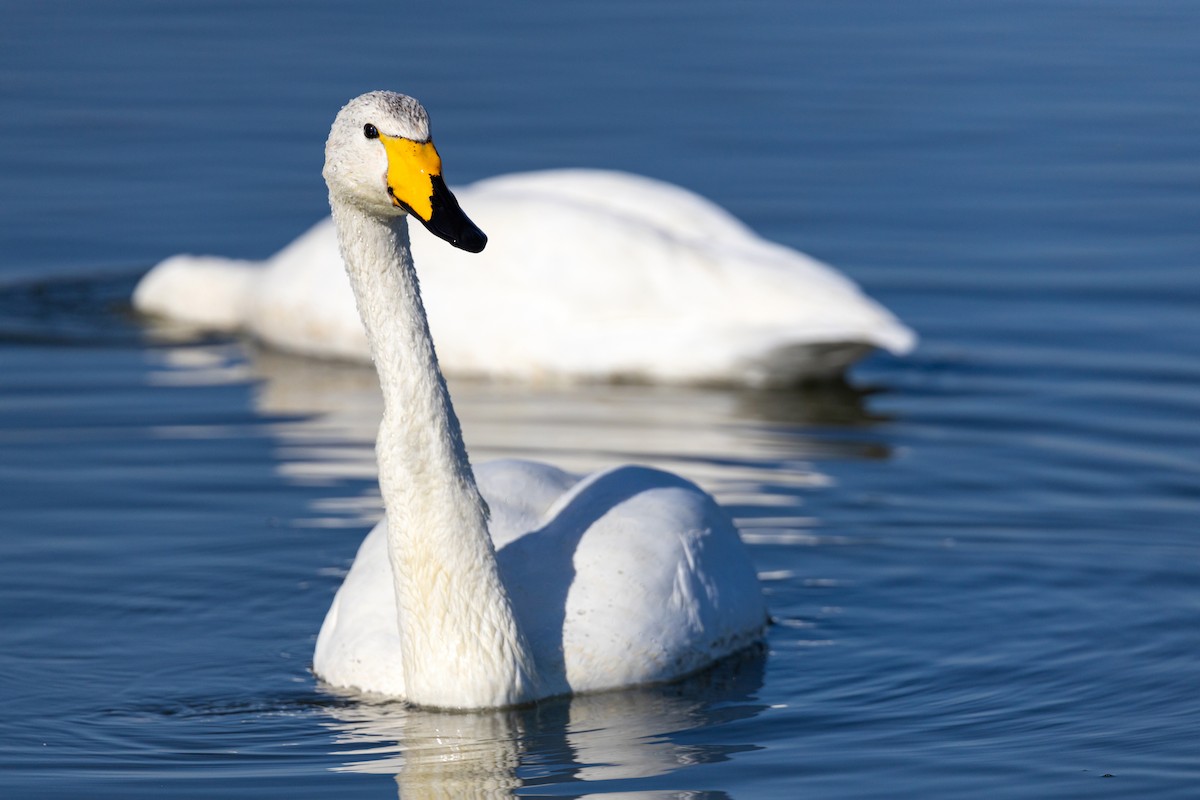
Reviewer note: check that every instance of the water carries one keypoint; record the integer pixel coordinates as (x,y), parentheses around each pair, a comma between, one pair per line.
(982,559)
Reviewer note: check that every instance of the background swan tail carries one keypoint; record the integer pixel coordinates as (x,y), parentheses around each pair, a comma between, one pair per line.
(205,291)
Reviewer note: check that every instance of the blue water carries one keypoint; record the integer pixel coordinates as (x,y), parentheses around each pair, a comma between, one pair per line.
(983,558)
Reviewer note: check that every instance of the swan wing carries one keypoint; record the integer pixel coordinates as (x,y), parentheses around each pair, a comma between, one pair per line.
(636,576)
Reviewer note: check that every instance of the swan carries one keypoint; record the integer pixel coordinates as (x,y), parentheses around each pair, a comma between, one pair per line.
(617,277)
(516,581)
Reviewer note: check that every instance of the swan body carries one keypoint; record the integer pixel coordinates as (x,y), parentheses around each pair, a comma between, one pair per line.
(626,577)
(521,581)
(616,276)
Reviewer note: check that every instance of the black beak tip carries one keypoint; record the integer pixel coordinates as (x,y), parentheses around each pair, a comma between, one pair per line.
(448,221)
(472,239)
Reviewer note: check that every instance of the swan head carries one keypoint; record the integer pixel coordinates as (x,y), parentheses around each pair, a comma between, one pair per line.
(380,157)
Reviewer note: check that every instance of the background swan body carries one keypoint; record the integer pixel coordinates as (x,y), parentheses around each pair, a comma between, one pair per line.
(589,275)
(518,582)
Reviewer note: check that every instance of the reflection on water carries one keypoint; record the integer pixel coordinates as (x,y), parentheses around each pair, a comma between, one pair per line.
(753,449)
(608,737)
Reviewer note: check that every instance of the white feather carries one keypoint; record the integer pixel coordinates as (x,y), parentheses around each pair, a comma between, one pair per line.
(588,275)
(520,581)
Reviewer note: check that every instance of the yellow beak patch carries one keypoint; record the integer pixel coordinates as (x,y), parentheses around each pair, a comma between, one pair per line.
(411,168)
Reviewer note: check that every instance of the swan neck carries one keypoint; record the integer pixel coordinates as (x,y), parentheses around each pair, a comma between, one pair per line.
(460,643)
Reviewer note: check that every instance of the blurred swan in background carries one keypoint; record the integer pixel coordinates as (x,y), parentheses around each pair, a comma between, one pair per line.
(589,276)
(516,581)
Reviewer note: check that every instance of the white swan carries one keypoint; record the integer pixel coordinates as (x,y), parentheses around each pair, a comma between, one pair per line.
(518,582)
(615,276)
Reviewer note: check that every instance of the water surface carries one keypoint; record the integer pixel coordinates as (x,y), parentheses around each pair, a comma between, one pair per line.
(982,559)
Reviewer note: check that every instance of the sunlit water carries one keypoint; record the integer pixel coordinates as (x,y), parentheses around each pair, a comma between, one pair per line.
(983,560)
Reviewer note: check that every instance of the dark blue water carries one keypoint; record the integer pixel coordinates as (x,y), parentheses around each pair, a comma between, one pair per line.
(983,559)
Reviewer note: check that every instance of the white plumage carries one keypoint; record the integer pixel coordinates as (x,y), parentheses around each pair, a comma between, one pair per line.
(589,275)
(520,581)
(626,577)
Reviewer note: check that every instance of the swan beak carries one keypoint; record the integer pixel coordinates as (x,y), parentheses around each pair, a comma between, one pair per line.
(414,182)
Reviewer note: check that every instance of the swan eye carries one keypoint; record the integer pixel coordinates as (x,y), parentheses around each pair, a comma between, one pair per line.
(370,131)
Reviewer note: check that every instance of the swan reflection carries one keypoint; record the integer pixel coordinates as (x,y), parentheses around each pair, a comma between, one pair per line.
(752,449)
(590,425)
(610,737)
